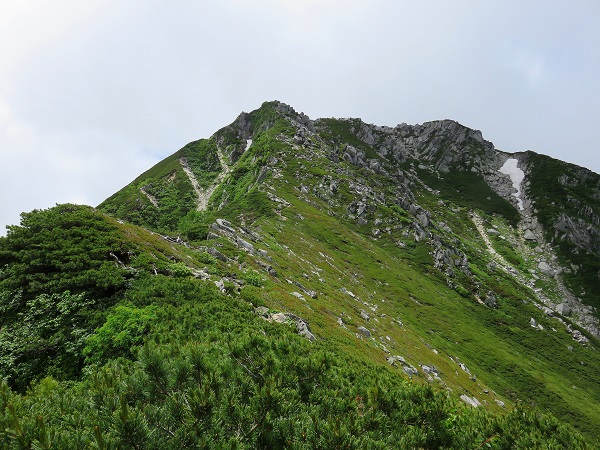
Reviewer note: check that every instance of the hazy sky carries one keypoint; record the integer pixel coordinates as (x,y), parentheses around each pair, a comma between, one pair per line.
(94,92)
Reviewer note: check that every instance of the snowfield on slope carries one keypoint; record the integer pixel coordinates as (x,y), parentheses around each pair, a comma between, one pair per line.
(516,175)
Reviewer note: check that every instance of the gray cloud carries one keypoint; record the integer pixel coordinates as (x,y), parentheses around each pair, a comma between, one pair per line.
(93,93)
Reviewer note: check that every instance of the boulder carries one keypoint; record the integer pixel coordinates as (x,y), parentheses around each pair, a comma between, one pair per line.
(304,331)
(346,291)
(563,309)
(393,360)
(470,401)
(302,327)
(245,245)
(490,301)
(278,317)
(220,285)
(528,234)
(562,225)
(364,332)
(410,370)
(217,254)
(430,370)
(223,223)
(262,311)
(577,336)
(546,269)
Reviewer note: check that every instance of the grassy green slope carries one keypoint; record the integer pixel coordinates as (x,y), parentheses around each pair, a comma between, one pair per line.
(497,345)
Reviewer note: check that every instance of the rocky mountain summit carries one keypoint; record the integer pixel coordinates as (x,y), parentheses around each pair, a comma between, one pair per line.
(419,253)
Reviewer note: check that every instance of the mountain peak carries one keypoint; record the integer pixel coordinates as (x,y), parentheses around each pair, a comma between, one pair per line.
(284,261)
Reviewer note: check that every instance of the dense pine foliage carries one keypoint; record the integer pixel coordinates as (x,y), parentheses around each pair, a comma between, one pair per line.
(160,361)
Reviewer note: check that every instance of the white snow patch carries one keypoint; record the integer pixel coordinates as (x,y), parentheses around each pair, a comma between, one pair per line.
(516,176)
(248,144)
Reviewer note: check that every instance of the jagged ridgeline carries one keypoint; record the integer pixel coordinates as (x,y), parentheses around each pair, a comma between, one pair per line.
(298,283)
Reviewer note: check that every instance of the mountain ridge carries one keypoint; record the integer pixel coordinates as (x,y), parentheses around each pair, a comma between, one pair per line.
(440,146)
(399,263)
(538,243)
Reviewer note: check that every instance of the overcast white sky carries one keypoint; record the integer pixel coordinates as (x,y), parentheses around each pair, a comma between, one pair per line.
(94,92)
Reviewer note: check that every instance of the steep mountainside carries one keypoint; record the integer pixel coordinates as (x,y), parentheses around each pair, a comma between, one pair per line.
(554,208)
(293,283)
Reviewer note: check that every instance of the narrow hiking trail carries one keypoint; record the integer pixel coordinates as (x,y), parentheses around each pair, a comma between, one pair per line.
(478,221)
(205,194)
(199,191)
(150,197)
(505,265)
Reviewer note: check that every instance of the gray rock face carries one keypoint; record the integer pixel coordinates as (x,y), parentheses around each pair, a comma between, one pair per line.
(262,311)
(470,401)
(245,245)
(278,317)
(585,234)
(217,254)
(546,269)
(490,300)
(529,235)
(302,327)
(563,309)
(364,332)
(410,370)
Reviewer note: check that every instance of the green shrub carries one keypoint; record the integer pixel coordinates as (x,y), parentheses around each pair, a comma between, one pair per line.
(253,278)
(180,270)
(125,327)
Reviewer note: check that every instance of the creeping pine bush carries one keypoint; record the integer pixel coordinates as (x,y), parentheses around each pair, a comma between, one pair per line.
(253,278)
(125,328)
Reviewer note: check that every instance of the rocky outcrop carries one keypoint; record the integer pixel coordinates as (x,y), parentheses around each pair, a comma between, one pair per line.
(583,234)
(279,317)
(443,144)
(364,332)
